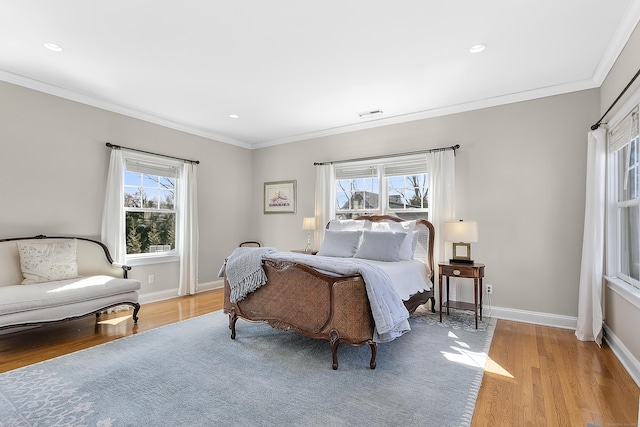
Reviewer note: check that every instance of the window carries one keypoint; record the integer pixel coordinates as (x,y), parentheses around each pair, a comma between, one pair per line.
(398,187)
(624,150)
(150,207)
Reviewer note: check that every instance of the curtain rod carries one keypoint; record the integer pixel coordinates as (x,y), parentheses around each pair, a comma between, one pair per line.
(597,125)
(118,147)
(432,150)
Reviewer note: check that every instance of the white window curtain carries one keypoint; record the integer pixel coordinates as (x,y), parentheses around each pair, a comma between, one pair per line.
(441,168)
(325,200)
(113,220)
(188,230)
(589,327)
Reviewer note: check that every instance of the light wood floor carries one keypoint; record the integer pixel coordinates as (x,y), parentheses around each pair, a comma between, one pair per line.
(536,375)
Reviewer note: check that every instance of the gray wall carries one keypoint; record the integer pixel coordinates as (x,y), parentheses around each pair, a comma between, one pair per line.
(520,173)
(53,172)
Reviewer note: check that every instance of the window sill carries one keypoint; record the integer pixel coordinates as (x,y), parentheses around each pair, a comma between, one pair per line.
(624,289)
(152,259)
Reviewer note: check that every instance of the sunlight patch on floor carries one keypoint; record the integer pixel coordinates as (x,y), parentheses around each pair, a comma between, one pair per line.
(462,355)
(466,357)
(493,367)
(115,320)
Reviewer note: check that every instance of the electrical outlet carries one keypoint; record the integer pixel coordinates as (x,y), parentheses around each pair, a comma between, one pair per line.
(152,278)
(489,289)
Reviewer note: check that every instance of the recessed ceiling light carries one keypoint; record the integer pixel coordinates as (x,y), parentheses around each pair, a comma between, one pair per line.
(234,116)
(53,47)
(477,48)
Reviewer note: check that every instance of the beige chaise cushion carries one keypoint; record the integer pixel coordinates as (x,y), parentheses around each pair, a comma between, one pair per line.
(19,298)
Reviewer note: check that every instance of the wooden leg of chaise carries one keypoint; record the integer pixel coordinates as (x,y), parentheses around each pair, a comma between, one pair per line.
(233,317)
(136,309)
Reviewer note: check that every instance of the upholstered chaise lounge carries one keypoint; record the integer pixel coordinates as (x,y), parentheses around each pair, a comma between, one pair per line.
(47,279)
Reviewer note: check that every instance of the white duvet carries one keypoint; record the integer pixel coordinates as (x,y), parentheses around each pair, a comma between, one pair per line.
(407,277)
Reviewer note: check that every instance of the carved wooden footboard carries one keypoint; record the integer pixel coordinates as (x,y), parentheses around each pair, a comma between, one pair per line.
(299,298)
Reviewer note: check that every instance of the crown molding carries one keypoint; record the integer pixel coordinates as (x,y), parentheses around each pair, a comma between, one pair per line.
(437,112)
(404,118)
(115,108)
(630,20)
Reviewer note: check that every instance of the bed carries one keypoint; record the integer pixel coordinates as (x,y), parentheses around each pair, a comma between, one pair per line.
(325,304)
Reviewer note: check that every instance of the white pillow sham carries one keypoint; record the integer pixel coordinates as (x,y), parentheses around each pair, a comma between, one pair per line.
(340,243)
(346,224)
(381,245)
(409,244)
(44,262)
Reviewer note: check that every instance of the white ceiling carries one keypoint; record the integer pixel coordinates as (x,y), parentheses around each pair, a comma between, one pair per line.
(296,69)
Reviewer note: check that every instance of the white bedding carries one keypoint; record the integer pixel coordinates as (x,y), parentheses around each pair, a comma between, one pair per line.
(408,277)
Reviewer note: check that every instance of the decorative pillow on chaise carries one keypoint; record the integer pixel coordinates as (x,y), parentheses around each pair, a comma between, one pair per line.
(44,262)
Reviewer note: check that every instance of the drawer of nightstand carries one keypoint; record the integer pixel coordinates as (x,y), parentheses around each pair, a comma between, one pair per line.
(457,270)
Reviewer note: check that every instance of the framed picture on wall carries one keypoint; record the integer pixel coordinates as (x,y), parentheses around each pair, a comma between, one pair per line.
(280,197)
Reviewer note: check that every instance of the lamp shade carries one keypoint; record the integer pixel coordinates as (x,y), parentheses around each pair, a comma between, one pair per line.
(461,231)
(309,223)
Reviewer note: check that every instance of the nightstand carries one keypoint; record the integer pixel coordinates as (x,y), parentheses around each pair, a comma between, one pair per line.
(473,271)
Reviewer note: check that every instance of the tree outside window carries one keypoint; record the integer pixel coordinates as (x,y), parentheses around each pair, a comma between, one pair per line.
(396,188)
(150,213)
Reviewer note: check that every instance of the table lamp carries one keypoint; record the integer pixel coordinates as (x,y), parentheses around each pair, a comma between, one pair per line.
(308,224)
(461,234)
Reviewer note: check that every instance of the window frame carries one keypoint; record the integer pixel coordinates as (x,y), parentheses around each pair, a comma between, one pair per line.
(615,148)
(157,164)
(381,166)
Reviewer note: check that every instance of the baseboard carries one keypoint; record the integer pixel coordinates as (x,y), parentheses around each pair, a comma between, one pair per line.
(216,284)
(630,363)
(534,317)
(173,293)
(158,296)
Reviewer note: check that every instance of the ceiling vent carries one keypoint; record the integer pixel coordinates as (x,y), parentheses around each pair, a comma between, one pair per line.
(369,114)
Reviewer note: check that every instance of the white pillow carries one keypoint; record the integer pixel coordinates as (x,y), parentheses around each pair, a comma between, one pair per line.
(381,245)
(340,243)
(409,244)
(408,247)
(346,224)
(44,262)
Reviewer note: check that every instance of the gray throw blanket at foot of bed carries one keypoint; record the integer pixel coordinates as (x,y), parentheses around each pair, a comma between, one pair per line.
(244,271)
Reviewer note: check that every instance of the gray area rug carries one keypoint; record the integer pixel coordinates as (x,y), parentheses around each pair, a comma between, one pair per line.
(192,374)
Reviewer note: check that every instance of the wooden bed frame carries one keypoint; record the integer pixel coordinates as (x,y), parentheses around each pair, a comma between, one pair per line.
(299,298)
